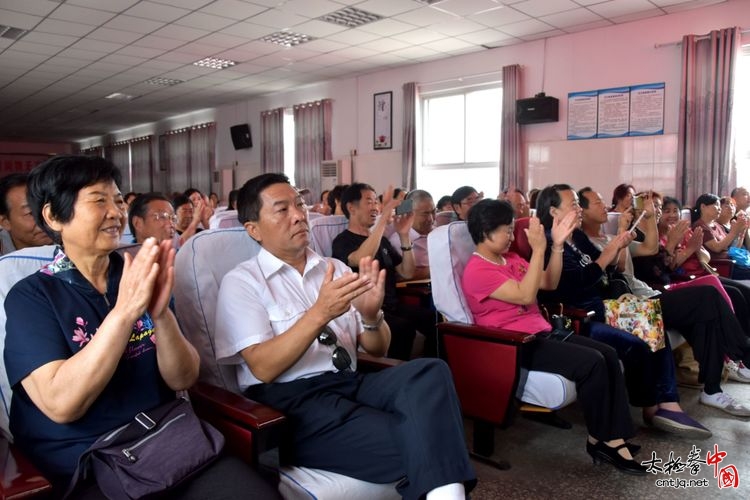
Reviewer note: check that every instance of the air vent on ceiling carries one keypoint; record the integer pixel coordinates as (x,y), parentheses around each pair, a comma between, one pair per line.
(287,38)
(11,32)
(351,17)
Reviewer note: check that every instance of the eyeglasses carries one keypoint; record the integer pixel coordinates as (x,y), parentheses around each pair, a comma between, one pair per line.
(341,359)
(164,216)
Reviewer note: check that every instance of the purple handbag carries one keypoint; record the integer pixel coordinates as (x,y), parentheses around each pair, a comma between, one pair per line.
(155,452)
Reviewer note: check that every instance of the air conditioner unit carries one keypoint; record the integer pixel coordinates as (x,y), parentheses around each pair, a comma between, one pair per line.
(333,172)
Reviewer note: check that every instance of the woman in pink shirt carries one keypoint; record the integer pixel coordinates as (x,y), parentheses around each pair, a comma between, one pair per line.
(501,287)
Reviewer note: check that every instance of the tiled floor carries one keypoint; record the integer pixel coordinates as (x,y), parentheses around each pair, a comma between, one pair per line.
(552,463)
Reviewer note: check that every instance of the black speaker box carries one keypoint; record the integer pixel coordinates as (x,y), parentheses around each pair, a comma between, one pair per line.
(241,138)
(539,109)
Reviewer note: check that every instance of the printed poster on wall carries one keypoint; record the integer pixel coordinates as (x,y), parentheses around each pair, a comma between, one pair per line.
(647,109)
(582,115)
(614,112)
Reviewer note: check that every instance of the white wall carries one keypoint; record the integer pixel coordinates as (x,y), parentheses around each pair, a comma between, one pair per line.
(616,55)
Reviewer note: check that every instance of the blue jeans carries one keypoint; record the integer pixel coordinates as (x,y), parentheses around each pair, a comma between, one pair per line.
(649,376)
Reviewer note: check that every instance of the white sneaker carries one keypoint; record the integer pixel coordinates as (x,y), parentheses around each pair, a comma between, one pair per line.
(724,401)
(737,371)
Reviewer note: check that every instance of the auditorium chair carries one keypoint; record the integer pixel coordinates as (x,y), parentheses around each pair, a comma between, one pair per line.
(485,362)
(199,268)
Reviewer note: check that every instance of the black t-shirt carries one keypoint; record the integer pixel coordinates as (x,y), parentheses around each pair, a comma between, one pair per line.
(348,242)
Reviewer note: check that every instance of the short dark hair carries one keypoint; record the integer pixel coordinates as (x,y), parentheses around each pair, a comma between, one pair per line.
(58,180)
(139,207)
(179,200)
(459,194)
(733,194)
(443,201)
(582,200)
(704,199)
(232,201)
(128,195)
(249,201)
(335,194)
(670,200)
(10,181)
(549,197)
(190,191)
(486,216)
(619,193)
(353,194)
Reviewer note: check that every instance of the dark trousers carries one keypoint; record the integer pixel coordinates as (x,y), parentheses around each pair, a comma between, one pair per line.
(600,385)
(226,479)
(404,320)
(706,321)
(649,376)
(401,424)
(739,294)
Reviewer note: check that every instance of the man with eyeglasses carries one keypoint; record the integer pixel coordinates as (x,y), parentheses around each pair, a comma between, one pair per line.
(151,216)
(424,221)
(291,321)
(463,199)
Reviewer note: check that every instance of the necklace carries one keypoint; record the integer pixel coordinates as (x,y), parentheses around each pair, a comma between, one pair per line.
(502,263)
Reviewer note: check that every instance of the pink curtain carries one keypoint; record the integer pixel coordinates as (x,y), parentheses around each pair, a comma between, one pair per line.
(140,156)
(409,148)
(202,157)
(513,172)
(705,163)
(312,142)
(119,154)
(272,140)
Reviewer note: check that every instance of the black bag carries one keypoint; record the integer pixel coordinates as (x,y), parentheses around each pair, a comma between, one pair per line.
(613,285)
(158,450)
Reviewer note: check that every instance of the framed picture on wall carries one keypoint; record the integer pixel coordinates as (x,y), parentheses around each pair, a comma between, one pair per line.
(383,121)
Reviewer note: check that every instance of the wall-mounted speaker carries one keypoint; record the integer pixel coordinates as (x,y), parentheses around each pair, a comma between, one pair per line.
(538,109)
(241,138)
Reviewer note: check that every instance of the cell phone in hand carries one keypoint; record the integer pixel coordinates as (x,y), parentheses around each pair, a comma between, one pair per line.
(405,207)
(638,202)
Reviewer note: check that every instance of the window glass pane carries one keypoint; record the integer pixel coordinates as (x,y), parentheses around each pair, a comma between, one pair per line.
(439,182)
(444,130)
(483,109)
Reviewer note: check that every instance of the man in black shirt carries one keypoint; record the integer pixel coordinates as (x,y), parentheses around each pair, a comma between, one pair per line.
(364,237)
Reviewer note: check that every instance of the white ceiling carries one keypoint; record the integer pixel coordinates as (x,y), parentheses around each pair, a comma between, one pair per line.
(54,78)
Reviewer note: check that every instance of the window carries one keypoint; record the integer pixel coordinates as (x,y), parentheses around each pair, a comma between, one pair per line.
(460,140)
(741,114)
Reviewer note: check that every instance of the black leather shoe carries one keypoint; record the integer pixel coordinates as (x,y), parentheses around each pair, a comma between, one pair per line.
(600,452)
(632,448)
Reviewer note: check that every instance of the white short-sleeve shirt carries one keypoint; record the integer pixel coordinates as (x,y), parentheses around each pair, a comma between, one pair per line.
(419,247)
(263,297)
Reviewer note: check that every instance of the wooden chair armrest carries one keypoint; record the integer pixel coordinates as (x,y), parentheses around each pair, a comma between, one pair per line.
(482,332)
(24,480)
(245,411)
(369,363)
(722,266)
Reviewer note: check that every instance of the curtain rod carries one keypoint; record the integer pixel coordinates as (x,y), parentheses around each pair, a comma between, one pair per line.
(462,78)
(699,37)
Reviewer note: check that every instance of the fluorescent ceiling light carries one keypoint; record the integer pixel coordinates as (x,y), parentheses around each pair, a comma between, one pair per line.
(286,38)
(214,63)
(119,96)
(351,17)
(163,82)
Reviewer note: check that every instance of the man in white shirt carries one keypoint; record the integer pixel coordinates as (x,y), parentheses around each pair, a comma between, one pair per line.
(424,221)
(291,322)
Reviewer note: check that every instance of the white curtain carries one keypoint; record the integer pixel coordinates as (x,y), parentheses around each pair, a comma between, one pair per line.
(705,161)
(312,142)
(513,172)
(272,140)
